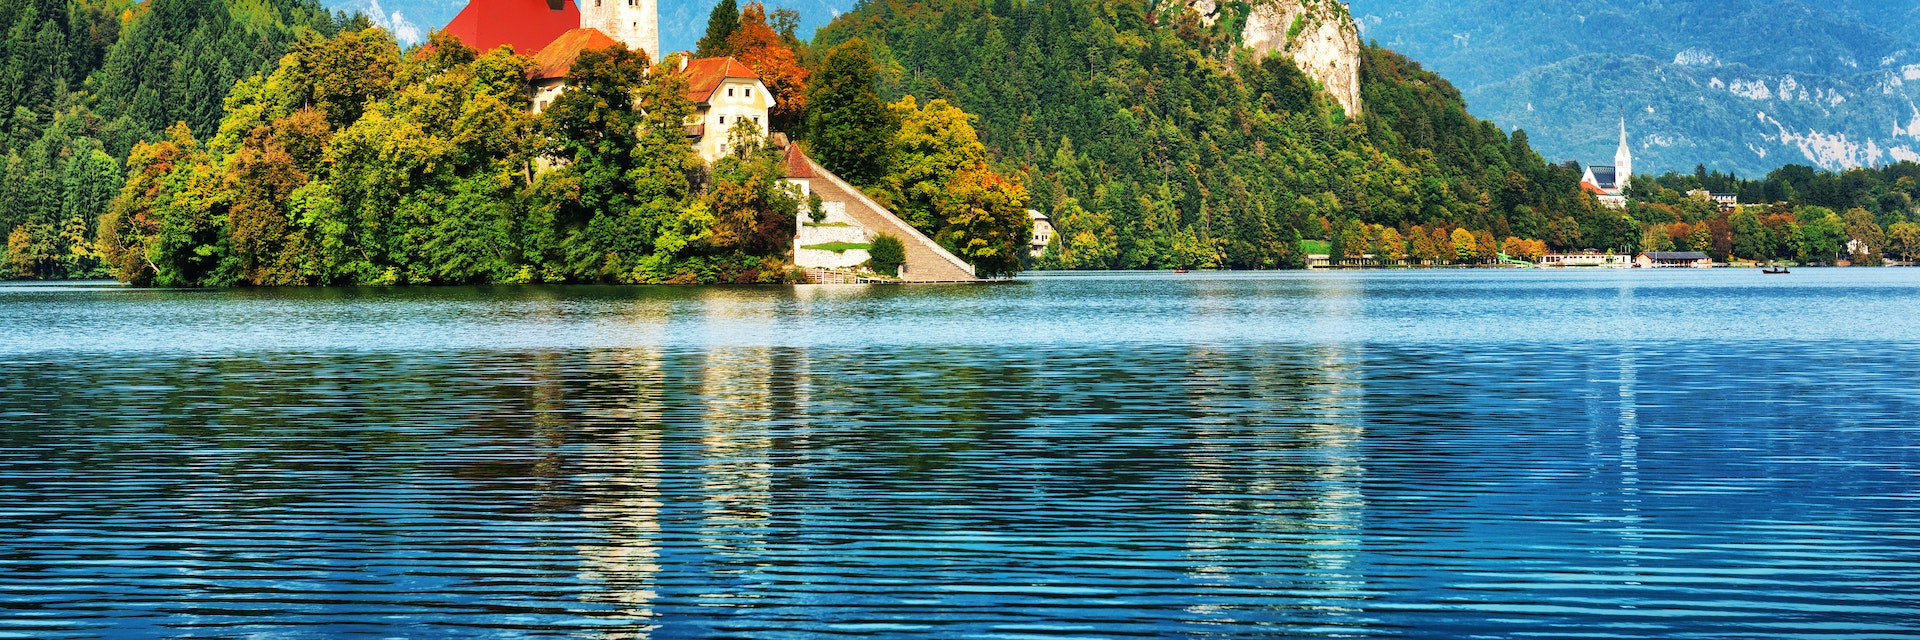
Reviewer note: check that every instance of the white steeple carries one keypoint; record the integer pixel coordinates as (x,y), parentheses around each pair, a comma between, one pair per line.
(1623,158)
(635,23)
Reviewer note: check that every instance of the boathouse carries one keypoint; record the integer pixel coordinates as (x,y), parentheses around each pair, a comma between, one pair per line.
(1673,260)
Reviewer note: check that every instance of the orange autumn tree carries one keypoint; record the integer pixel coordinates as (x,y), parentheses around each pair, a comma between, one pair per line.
(759,47)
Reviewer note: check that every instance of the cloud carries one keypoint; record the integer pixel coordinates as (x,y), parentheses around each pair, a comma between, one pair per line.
(403,30)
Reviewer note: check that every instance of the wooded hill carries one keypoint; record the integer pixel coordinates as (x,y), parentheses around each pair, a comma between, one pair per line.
(1154,141)
(82,81)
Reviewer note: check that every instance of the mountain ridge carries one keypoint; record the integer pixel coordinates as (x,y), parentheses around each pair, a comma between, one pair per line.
(1742,85)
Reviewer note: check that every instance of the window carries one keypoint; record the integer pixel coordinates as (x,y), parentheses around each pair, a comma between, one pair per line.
(756,119)
(723,119)
(729,92)
(749,93)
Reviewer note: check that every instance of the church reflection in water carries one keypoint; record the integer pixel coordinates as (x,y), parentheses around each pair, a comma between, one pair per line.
(716,480)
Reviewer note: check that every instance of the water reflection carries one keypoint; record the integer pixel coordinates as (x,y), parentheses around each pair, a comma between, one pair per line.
(1350,483)
(622,470)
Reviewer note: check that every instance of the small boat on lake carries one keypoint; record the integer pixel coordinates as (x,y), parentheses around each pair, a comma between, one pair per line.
(1775,270)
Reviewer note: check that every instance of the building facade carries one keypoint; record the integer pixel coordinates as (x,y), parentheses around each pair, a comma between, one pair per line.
(724,93)
(1042,233)
(1673,260)
(1609,183)
(1587,259)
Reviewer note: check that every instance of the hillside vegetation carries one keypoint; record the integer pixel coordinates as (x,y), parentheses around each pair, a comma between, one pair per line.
(1154,140)
(83,81)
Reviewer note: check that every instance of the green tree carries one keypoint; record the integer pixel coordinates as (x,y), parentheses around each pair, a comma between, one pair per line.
(933,145)
(885,254)
(721,23)
(1465,247)
(986,221)
(849,130)
(1751,239)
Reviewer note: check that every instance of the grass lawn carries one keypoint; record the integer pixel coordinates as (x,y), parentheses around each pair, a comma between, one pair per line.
(1311,247)
(837,247)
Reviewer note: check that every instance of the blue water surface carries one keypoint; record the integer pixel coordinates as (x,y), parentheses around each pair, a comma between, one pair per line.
(1424,454)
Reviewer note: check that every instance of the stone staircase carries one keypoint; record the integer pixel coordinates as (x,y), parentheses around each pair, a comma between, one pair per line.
(927,261)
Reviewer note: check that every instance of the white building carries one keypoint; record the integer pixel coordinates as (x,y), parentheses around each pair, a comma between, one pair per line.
(725,93)
(1597,259)
(1042,233)
(1609,183)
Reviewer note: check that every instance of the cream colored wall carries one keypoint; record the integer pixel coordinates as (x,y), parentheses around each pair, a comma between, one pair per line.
(545,91)
(748,99)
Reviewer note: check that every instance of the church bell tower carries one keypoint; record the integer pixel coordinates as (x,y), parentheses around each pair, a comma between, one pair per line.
(1623,158)
(635,23)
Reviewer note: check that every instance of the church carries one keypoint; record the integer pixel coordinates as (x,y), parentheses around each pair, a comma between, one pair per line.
(724,91)
(1609,183)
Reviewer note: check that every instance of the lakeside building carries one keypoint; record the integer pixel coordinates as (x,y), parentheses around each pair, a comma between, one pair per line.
(1673,260)
(1042,233)
(1590,259)
(1609,183)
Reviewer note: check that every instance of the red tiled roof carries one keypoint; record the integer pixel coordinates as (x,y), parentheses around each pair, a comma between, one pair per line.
(1593,188)
(528,25)
(555,59)
(797,165)
(705,75)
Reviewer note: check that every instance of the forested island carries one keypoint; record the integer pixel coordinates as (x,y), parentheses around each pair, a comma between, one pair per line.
(270,142)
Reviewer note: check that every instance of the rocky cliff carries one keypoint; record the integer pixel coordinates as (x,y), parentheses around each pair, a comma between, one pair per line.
(1319,35)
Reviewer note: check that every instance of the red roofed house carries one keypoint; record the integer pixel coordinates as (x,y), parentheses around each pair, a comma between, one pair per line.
(724,94)
(555,61)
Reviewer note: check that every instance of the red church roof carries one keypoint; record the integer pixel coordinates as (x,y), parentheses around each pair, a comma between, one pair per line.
(528,25)
(797,165)
(705,75)
(556,58)
(1593,188)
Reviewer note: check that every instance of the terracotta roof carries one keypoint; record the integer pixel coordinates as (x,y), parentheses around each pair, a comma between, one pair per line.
(1593,188)
(556,59)
(528,25)
(705,75)
(797,165)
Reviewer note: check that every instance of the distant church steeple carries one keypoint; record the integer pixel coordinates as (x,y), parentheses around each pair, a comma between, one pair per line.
(1623,158)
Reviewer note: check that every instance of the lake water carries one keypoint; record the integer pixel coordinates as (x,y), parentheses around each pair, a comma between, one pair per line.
(1429,454)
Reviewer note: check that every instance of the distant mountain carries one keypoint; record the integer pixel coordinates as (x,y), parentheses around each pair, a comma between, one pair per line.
(682,22)
(1745,85)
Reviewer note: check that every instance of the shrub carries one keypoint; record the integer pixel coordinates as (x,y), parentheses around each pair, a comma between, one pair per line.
(885,254)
